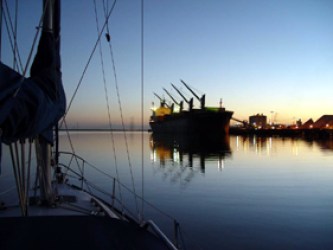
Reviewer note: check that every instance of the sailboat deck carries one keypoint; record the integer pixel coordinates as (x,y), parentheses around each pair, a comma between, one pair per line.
(71,202)
(76,222)
(76,232)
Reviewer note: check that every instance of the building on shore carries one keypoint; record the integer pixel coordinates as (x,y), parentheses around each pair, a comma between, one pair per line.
(258,121)
(308,124)
(298,123)
(326,121)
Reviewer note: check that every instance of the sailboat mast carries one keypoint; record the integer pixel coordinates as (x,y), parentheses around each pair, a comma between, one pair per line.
(48,15)
(43,147)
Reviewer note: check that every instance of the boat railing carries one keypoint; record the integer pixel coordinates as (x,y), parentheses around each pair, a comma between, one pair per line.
(158,231)
(76,169)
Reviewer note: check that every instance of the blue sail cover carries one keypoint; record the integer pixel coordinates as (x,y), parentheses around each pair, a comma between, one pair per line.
(32,106)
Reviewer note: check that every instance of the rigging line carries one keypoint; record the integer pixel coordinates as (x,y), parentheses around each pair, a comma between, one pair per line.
(84,179)
(28,173)
(23,180)
(102,59)
(72,146)
(106,92)
(121,114)
(67,206)
(43,153)
(142,106)
(35,38)
(14,45)
(90,165)
(56,140)
(15,32)
(35,185)
(88,62)
(16,153)
(16,174)
(73,152)
(8,190)
(10,32)
(0,27)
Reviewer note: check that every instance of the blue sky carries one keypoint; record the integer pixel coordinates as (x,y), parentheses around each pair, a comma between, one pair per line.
(257,55)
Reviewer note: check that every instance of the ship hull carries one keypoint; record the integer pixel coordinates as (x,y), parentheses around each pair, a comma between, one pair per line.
(193,122)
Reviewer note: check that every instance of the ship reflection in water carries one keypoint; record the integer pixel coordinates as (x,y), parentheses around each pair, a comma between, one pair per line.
(187,150)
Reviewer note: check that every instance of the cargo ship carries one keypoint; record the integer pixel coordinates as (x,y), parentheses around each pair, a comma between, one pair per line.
(193,121)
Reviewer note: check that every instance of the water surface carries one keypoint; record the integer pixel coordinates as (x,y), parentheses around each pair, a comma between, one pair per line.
(232,193)
(240,193)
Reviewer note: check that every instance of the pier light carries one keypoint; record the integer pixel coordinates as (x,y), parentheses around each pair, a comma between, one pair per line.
(153,156)
(220,165)
(176,155)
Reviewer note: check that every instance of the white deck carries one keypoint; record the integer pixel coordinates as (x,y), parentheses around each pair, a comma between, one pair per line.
(71,202)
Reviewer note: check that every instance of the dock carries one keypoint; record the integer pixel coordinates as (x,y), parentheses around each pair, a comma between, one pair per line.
(314,133)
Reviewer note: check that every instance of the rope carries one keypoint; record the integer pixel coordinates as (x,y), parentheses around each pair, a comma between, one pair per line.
(71,144)
(13,40)
(142,106)
(106,94)
(33,45)
(74,208)
(121,113)
(28,174)
(19,174)
(1,11)
(8,190)
(11,34)
(87,64)
(15,32)
(23,181)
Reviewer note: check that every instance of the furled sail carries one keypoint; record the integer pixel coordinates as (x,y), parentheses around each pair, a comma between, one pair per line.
(32,106)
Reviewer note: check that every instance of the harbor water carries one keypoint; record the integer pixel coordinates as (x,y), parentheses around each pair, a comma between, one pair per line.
(241,193)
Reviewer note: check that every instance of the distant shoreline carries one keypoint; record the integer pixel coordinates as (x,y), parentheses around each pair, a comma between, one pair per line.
(103,130)
(309,133)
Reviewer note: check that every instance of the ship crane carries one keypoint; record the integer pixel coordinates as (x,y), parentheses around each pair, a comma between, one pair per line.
(180,104)
(245,123)
(190,102)
(201,100)
(162,100)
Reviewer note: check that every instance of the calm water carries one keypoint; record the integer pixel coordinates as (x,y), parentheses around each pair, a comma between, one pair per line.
(241,193)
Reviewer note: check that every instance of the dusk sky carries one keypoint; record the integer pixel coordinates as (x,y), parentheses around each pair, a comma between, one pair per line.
(259,56)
